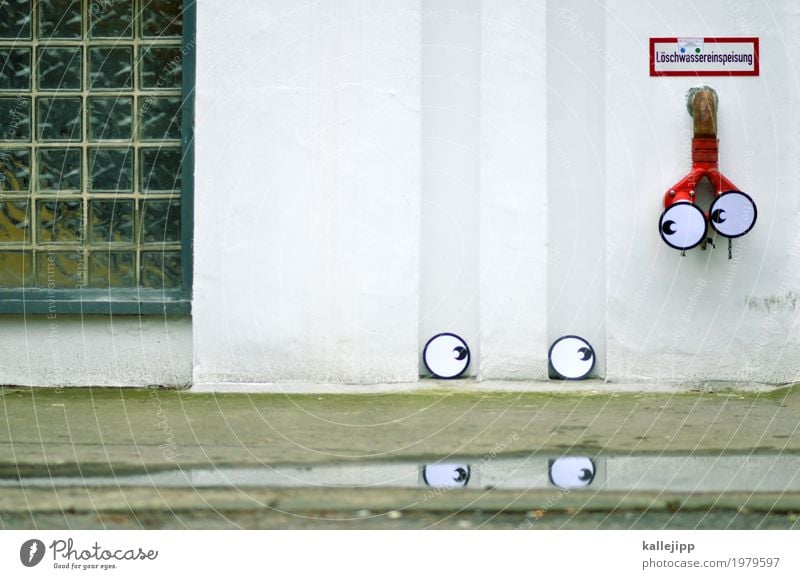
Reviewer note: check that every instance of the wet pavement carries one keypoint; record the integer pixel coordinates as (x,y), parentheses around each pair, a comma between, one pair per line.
(100,458)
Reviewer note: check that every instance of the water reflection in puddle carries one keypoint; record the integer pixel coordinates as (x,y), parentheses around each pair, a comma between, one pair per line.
(696,473)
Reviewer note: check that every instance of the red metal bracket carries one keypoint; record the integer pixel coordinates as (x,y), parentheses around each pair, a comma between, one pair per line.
(705,153)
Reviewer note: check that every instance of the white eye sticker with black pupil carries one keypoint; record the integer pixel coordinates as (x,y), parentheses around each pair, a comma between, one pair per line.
(733,214)
(446,476)
(571,357)
(683,225)
(572,472)
(446,356)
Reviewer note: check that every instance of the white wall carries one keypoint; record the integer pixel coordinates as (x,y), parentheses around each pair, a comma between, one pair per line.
(513,211)
(702,317)
(307,191)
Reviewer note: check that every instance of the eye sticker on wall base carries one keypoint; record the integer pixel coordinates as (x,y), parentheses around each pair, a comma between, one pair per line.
(572,472)
(446,356)
(446,476)
(683,225)
(571,358)
(733,214)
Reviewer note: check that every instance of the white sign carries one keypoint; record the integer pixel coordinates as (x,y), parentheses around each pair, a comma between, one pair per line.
(696,56)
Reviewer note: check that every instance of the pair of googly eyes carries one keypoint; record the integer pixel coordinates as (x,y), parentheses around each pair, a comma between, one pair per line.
(683,225)
(570,472)
(447,356)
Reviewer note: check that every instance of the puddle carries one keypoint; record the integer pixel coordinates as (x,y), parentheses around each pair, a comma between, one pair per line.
(696,473)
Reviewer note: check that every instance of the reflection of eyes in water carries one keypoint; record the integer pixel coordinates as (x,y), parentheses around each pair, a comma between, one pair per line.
(446,476)
(572,472)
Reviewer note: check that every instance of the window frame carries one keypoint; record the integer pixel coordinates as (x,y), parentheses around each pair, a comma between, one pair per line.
(134,300)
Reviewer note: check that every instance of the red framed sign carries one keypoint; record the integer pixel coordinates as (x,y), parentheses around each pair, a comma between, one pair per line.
(697,56)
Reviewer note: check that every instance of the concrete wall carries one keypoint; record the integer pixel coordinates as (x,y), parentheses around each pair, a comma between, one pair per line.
(96,351)
(702,317)
(576,104)
(451,169)
(513,221)
(369,174)
(374,173)
(307,192)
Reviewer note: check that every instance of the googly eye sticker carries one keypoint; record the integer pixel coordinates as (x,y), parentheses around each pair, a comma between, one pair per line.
(572,472)
(571,358)
(446,355)
(683,225)
(733,214)
(446,476)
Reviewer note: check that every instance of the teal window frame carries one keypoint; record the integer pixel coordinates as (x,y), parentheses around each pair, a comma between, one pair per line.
(135,300)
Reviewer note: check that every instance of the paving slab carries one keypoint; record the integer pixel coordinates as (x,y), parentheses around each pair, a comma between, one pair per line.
(116,431)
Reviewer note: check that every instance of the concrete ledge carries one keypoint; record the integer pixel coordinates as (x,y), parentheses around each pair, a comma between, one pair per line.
(471,385)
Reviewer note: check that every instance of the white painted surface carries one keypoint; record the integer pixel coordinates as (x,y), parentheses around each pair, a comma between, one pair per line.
(513,210)
(340,156)
(307,191)
(450,208)
(701,317)
(576,197)
(96,351)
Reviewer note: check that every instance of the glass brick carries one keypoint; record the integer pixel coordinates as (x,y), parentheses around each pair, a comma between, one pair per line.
(110,118)
(111,18)
(161,169)
(161,221)
(59,169)
(60,270)
(112,269)
(15,170)
(15,69)
(60,19)
(110,170)
(15,119)
(60,221)
(59,119)
(110,68)
(15,221)
(111,221)
(16,269)
(161,269)
(161,67)
(59,69)
(15,19)
(160,118)
(162,18)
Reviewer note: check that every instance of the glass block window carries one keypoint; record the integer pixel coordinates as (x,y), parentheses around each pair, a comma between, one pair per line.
(91,155)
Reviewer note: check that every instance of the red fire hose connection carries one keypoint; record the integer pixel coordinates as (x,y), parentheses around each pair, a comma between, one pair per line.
(683,225)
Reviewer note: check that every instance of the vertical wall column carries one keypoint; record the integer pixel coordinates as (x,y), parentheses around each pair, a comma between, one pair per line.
(450,222)
(576,102)
(513,208)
